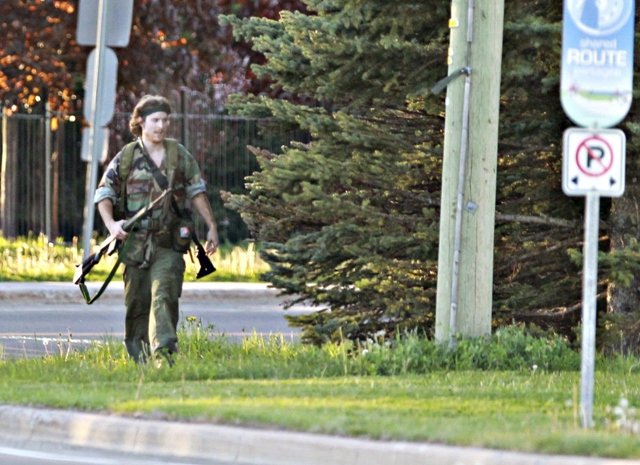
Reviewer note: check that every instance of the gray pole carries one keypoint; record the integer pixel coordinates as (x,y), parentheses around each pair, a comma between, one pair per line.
(3,171)
(589,292)
(47,167)
(462,174)
(92,166)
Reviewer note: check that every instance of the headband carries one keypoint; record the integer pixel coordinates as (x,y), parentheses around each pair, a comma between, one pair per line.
(162,106)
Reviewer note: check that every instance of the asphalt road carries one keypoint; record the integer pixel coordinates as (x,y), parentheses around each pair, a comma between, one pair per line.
(40,323)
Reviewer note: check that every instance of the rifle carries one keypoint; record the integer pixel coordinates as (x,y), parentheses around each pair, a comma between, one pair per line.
(108,247)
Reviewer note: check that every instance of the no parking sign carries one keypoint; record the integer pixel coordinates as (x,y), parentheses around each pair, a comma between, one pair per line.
(593,162)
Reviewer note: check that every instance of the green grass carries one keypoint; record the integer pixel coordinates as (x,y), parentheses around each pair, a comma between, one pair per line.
(33,258)
(523,396)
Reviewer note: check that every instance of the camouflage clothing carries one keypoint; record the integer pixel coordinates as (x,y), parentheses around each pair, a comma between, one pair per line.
(140,182)
(154,269)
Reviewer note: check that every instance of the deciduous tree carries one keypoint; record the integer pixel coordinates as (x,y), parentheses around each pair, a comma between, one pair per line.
(174,46)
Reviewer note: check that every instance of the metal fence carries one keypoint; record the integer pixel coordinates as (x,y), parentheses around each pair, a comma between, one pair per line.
(42,177)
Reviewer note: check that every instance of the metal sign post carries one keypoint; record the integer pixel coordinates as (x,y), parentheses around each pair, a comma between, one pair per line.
(596,82)
(589,292)
(593,166)
(92,168)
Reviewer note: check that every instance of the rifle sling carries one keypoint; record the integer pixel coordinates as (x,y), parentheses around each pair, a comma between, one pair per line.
(85,291)
(160,178)
(162,181)
(83,286)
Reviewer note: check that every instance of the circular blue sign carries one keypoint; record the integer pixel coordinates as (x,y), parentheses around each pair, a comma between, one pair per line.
(597,61)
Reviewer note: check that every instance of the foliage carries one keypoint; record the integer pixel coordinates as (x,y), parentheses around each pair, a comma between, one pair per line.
(173,46)
(350,219)
(205,355)
(535,279)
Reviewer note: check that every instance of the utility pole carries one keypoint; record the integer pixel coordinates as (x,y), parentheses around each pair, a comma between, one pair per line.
(467,217)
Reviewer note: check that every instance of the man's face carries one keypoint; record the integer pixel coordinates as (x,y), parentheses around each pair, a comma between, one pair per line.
(155,126)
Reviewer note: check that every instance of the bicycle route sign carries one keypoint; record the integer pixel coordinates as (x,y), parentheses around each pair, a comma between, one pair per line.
(593,162)
(597,61)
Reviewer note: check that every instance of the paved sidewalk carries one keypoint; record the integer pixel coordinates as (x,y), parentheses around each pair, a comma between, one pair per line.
(69,292)
(249,446)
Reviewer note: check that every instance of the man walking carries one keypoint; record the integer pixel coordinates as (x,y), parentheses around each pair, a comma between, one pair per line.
(153,250)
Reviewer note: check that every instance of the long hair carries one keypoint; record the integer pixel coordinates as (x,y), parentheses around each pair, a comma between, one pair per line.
(147,105)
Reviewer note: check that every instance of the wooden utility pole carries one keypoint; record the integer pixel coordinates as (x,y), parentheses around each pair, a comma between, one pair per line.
(465,260)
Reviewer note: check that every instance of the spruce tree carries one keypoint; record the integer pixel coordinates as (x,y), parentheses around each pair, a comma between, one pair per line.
(349,217)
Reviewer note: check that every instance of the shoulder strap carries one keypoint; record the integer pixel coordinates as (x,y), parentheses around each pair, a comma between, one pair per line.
(172,156)
(126,161)
(85,292)
(171,163)
(125,167)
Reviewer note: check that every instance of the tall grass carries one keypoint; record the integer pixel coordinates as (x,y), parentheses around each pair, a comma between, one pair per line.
(34,258)
(205,355)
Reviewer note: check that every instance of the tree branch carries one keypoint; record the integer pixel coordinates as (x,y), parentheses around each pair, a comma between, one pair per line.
(536,220)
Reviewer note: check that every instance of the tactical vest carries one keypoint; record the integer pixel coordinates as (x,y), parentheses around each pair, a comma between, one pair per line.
(171,165)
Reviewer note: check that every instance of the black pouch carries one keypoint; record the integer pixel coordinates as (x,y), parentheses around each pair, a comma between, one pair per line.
(181,234)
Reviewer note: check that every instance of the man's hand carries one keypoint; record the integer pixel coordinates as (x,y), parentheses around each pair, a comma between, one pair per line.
(201,204)
(212,241)
(115,229)
(105,208)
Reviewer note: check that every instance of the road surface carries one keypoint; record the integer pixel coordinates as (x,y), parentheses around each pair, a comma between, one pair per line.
(39,323)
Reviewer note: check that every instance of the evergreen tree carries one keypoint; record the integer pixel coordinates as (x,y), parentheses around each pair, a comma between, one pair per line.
(350,218)
(536,224)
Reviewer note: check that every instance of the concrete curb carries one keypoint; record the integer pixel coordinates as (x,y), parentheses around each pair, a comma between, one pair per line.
(249,446)
(70,293)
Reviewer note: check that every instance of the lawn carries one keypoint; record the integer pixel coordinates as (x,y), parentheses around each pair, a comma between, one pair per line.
(511,391)
(34,258)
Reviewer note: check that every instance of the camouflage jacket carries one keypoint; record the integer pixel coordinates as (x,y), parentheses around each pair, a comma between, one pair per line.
(140,185)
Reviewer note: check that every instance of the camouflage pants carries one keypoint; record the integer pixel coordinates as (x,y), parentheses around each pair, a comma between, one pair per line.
(151,297)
